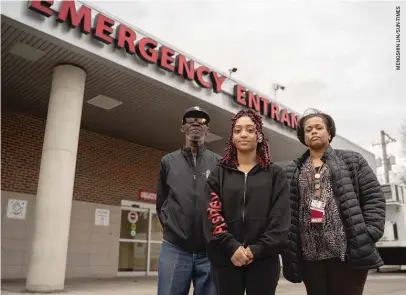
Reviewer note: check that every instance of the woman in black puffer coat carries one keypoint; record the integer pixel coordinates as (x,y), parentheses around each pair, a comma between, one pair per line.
(338,214)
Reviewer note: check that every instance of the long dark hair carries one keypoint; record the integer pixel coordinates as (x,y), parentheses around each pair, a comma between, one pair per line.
(263,157)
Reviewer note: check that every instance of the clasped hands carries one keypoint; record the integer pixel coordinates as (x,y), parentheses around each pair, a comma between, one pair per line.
(242,256)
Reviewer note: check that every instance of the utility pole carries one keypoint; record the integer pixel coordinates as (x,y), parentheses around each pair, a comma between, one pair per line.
(385,140)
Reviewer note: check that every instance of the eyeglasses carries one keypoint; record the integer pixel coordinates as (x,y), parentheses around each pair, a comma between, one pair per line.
(202,121)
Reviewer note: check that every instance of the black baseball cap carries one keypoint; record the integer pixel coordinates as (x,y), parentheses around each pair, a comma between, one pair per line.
(196,112)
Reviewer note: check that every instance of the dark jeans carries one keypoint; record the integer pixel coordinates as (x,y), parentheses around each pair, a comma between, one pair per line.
(258,278)
(178,268)
(332,277)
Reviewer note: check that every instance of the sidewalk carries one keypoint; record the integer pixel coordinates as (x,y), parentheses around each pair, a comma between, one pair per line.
(121,286)
(377,284)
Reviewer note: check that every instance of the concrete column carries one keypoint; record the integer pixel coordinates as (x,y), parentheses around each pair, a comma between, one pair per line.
(47,268)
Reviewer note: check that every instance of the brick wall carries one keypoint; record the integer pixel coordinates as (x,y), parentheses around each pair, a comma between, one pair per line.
(107,169)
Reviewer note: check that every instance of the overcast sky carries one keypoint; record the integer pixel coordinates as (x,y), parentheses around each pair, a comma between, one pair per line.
(337,56)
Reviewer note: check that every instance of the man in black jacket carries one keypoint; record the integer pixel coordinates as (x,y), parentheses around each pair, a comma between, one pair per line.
(181,184)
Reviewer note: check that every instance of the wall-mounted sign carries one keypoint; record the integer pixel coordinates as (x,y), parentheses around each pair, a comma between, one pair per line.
(148,50)
(16,209)
(147,196)
(132,217)
(102,217)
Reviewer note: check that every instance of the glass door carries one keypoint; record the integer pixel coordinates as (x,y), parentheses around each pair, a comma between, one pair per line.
(154,243)
(133,244)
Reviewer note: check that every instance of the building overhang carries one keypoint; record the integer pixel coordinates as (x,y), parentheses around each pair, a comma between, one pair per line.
(151,100)
(156,74)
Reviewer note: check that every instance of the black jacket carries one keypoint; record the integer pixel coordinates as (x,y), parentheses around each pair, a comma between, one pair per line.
(361,204)
(180,186)
(246,209)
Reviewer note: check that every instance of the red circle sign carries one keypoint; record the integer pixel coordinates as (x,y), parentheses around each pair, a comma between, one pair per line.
(132,217)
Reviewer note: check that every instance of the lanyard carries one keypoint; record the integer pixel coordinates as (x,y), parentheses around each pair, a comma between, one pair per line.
(316,181)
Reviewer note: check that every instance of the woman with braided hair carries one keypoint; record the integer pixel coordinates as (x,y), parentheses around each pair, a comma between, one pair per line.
(247,212)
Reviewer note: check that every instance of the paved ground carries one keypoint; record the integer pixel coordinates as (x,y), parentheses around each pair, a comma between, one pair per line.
(377,284)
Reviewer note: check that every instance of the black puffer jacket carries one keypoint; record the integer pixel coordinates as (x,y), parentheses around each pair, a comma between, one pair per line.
(361,205)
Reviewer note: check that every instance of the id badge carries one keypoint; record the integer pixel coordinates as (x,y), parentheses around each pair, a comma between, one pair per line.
(317,211)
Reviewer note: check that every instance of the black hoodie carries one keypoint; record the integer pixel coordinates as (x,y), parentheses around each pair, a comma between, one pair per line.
(250,209)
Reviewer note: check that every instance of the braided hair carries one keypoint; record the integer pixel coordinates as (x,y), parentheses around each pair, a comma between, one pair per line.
(263,157)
